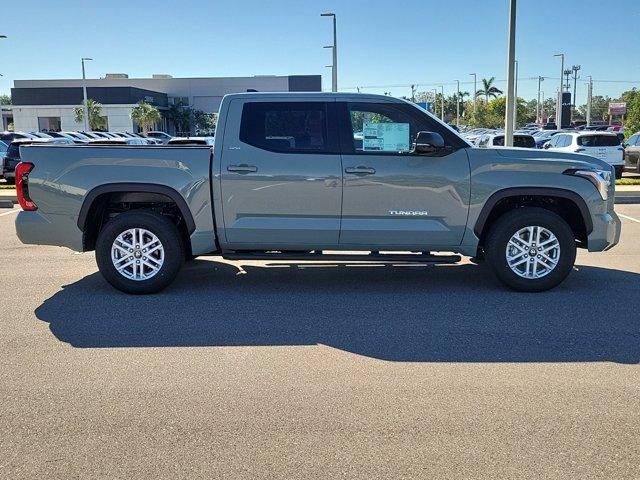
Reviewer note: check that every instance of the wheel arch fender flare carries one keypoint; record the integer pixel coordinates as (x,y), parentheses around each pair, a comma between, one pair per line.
(496,197)
(131,187)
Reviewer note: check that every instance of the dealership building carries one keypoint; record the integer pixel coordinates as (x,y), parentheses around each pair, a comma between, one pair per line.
(50,104)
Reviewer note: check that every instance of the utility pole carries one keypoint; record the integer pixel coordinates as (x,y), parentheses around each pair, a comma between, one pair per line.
(442,102)
(334,69)
(589,97)
(540,79)
(474,90)
(413,93)
(509,118)
(542,108)
(559,102)
(458,103)
(85,106)
(515,96)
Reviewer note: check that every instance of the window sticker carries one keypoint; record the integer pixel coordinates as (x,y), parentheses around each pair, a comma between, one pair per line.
(385,137)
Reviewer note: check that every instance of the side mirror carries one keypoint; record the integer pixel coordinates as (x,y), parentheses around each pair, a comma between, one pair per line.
(428,142)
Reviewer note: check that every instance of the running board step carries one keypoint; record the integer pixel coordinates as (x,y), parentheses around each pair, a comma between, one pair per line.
(319,257)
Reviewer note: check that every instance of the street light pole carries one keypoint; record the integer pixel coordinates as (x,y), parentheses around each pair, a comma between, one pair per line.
(442,102)
(515,97)
(589,96)
(509,117)
(458,103)
(559,102)
(475,89)
(542,108)
(435,97)
(576,69)
(540,79)
(85,106)
(1,115)
(334,70)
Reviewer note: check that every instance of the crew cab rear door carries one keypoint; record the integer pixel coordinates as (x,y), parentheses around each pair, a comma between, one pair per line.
(281,174)
(394,198)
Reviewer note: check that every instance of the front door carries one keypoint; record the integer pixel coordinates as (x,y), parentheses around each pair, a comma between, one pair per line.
(281,175)
(392,197)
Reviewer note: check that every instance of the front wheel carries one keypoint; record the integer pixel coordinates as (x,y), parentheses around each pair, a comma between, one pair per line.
(531,249)
(139,252)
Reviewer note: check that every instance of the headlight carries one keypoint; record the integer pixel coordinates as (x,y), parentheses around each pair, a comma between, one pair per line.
(601,179)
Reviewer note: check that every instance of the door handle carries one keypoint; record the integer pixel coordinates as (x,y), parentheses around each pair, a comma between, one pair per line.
(242,168)
(360,170)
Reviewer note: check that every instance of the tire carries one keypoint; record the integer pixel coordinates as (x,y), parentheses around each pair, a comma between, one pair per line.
(516,221)
(619,170)
(167,259)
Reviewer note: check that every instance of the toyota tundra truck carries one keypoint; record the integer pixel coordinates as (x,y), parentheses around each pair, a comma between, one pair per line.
(318,176)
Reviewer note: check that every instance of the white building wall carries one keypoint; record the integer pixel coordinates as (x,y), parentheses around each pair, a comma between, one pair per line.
(25,118)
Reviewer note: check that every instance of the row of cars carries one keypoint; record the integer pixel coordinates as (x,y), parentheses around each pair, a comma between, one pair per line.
(10,143)
(596,142)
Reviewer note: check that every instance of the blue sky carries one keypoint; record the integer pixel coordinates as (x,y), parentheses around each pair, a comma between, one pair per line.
(380,43)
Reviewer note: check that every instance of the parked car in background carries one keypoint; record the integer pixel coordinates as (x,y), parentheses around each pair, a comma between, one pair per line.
(543,136)
(602,145)
(186,141)
(3,151)
(12,155)
(118,141)
(632,151)
(74,139)
(8,137)
(497,140)
(162,136)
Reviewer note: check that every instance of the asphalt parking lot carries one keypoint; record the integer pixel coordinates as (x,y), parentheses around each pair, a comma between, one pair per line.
(277,370)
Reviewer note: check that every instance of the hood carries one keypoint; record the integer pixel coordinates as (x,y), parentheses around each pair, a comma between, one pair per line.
(553,160)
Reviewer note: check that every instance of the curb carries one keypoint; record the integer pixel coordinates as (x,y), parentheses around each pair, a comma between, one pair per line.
(6,204)
(622,200)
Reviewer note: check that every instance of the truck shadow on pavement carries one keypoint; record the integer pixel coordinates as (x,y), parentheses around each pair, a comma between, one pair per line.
(418,314)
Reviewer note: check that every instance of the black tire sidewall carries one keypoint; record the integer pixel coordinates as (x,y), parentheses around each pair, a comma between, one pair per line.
(160,226)
(502,231)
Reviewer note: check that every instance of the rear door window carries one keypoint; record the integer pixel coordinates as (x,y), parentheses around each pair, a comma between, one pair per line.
(524,141)
(287,127)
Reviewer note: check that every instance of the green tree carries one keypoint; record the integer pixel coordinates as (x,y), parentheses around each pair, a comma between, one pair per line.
(205,123)
(5,99)
(180,115)
(145,115)
(632,120)
(96,120)
(599,108)
(488,89)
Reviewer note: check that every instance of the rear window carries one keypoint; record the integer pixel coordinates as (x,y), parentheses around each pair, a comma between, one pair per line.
(599,141)
(13,151)
(524,141)
(286,127)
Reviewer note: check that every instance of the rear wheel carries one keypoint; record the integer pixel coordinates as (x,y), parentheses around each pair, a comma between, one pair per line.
(531,249)
(139,252)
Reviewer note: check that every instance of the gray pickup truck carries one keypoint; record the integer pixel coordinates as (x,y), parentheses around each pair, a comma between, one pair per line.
(295,176)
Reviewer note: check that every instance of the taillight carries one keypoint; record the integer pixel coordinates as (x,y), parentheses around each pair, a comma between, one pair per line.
(22,186)
(579,150)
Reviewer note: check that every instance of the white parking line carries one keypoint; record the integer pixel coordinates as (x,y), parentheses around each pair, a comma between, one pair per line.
(629,218)
(15,210)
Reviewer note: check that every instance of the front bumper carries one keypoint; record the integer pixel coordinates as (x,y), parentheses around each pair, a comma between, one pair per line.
(606,232)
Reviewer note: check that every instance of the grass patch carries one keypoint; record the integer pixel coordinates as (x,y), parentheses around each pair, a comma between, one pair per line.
(4,186)
(628,181)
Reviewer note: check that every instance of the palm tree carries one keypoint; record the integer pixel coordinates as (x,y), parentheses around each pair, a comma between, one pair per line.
(180,115)
(96,120)
(145,115)
(488,90)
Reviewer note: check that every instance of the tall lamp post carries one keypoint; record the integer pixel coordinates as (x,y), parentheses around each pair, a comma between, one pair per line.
(575,69)
(559,102)
(475,89)
(435,97)
(1,116)
(458,103)
(85,106)
(538,119)
(509,117)
(334,70)
(442,102)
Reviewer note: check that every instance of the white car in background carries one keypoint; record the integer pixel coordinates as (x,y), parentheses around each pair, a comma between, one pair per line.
(602,145)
